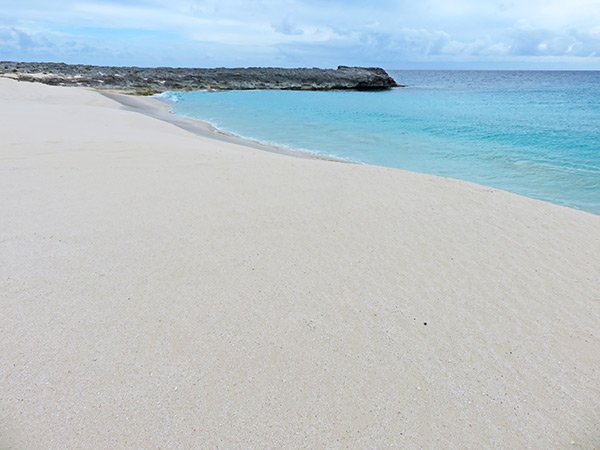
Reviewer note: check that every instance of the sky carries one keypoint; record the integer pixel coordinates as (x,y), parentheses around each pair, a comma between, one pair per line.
(395,34)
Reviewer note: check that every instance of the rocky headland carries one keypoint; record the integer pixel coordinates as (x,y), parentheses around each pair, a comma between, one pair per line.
(139,80)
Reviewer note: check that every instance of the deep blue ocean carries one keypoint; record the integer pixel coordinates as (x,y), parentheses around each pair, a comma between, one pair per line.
(532,133)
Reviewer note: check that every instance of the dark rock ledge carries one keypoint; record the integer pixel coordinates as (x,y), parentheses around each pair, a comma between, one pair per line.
(145,81)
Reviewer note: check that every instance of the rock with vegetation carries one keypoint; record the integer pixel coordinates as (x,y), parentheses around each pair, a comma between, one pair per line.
(145,81)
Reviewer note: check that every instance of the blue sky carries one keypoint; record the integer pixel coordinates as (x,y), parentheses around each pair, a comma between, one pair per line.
(495,34)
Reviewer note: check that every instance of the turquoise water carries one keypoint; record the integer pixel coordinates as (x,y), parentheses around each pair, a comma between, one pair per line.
(532,133)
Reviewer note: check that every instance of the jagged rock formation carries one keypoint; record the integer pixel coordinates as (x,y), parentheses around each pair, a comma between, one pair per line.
(151,80)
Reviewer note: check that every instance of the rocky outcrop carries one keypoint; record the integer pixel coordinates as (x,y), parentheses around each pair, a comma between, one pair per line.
(151,80)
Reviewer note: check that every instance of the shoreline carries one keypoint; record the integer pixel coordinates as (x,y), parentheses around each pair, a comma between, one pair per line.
(159,109)
(161,288)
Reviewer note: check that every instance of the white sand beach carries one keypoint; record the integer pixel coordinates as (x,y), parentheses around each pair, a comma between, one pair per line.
(163,289)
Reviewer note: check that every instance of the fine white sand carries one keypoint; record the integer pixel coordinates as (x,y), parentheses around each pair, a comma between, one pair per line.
(160,289)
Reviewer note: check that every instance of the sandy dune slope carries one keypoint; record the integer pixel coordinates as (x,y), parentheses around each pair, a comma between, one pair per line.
(160,289)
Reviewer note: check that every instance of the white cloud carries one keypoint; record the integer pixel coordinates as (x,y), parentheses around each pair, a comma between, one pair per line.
(225,32)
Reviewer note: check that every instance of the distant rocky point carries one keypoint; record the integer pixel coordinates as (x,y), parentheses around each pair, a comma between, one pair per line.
(143,81)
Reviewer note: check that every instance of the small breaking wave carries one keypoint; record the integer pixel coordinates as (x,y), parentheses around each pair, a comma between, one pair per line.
(169,96)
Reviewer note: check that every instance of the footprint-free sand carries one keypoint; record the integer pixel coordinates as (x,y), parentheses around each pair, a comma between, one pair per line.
(163,289)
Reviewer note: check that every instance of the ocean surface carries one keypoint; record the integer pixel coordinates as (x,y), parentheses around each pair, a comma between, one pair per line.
(532,133)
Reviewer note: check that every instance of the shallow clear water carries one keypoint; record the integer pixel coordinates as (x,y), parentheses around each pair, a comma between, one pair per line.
(532,133)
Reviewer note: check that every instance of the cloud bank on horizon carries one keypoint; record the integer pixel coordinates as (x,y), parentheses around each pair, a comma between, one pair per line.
(389,33)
